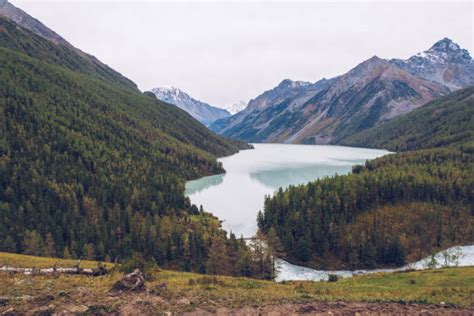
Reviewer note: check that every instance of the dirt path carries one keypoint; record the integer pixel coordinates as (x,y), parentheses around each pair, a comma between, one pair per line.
(136,305)
(339,308)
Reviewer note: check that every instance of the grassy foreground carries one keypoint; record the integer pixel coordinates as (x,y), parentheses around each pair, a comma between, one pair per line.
(178,291)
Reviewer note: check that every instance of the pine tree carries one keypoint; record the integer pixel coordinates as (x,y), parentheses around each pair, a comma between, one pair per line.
(8,245)
(261,259)
(34,244)
(218,258)
(243,264)
(88,251)
(50,249)
(66,253)
(275,249)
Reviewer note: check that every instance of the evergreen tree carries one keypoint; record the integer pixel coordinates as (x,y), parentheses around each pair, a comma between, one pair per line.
(218,258)
(33,243)
(50,247)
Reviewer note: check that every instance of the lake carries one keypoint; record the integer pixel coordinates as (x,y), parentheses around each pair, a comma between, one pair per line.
(236,196)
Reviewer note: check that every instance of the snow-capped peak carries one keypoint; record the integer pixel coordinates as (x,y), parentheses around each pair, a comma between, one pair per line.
(443,51)
(203,112)
(236,107)
(445,45)
(445,62)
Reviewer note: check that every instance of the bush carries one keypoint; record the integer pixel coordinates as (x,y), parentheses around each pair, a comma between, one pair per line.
(333,278)
(137,261)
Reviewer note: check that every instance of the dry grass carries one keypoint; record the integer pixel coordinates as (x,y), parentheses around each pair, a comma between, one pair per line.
(187,291)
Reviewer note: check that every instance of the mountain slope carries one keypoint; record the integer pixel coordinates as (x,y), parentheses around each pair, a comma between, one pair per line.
(445,62)
(55,49)
(22,18)
(375,91)
(372,92)
(201,111)
(442,122)
(95,169)
(287,89)
(269,113)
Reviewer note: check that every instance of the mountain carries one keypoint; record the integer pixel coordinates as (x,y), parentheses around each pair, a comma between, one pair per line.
(93,168)
(236,107)
(445,62)
(201,111)
(372,92)
(328,111)
(447,121)
(269,111)
(287,89)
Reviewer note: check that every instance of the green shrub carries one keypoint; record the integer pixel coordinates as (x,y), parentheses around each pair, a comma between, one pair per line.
(333,278)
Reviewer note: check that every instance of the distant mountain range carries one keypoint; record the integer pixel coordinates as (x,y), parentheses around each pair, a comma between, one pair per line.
(201,111)
(330,110)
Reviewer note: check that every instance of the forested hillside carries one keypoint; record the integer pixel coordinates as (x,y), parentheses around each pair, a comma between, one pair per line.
(442,122)
(14,37)
(91,167)
(392,210)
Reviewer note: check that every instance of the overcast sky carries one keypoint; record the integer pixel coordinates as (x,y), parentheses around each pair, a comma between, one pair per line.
(224,52)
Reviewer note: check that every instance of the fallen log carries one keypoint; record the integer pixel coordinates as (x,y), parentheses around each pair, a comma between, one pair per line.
(100,270)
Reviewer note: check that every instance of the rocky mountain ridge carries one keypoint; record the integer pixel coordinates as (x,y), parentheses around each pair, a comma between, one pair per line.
(374,91)
(445,62)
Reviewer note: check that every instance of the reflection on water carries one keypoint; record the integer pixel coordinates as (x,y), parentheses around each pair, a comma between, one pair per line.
(277,178)
(196,186)
(237,196)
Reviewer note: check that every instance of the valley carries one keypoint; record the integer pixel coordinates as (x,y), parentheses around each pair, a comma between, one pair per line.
(348,194)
